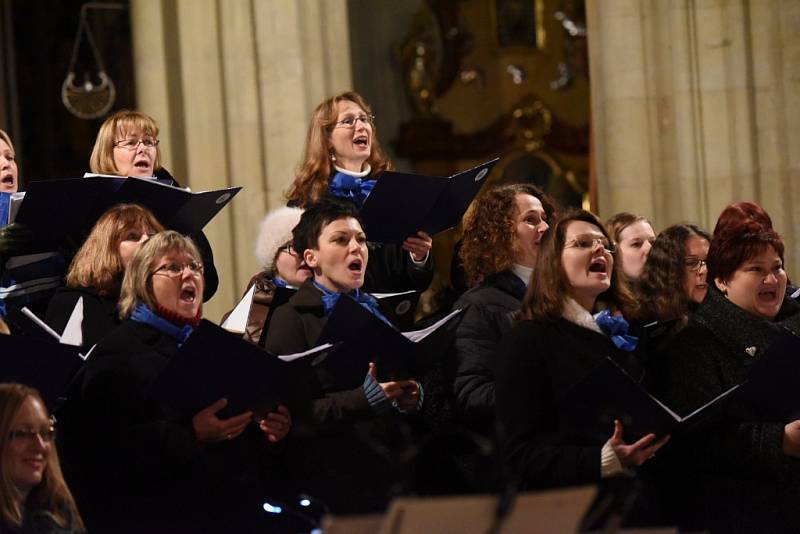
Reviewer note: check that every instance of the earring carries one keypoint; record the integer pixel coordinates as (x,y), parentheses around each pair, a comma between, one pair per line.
(332,155)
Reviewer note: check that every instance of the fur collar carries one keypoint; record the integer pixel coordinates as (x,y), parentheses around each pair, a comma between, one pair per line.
(577,314)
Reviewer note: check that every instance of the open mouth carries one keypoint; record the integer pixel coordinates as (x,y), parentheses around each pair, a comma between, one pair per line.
(142,164)
(355,266)
(598,265)
(7,179)
(361,141)
(768,296)
(188,294)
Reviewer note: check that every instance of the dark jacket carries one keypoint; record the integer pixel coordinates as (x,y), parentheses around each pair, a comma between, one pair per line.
(731,469)
(295,327)
(132,463)
(100,315)
(489,309)
(537,364)
(345,454)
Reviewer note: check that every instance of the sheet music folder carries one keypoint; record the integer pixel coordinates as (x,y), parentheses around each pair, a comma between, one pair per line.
(59,207)
(46,365)
(365,338)
(401,203)
(214,363)
(609,392)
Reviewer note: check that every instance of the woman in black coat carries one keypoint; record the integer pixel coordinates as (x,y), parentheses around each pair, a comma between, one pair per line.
(499,250)
(343,158)
(97,269)
(739,471)
(133,463)
(344,454)
(552,349)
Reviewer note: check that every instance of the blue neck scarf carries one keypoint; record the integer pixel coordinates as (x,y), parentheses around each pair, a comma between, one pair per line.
(330,298)
(279,282)
(616,328)
(2,308)
(356,189)
(143,314)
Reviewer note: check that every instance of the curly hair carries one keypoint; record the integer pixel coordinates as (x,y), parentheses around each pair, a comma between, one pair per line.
(311,181)
(549,289)
(661,291)
(488,244)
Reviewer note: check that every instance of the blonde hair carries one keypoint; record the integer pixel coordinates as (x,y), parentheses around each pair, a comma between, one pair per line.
(136,284)
(51,495)
(5,137)
(97,263)
(314,173)
(116,127)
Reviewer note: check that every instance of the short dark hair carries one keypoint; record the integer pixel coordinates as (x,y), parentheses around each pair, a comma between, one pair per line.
(734,244)
(316,217)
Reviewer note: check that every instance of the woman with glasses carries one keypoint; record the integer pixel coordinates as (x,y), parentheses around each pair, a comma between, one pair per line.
(33,495)
(127,144)
(134,463)
(343,158)
(97,269)
(739,470)
(674,282)
(281,266)
(556,344)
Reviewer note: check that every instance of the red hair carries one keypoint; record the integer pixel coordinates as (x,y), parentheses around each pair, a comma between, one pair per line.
(736,241)
(735,213)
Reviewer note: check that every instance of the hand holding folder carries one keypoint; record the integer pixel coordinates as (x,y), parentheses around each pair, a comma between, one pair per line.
(401,204)
(366,339)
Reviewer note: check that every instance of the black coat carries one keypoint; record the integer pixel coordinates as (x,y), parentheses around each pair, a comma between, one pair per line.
(343,453)
(100,315)
(133,463)
(537,363)
(730,470)
(489,310)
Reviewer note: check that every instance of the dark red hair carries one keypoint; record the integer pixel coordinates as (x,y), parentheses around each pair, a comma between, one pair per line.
(735,213)
(737,241)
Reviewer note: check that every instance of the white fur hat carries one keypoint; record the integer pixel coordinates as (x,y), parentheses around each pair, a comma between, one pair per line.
(276,231)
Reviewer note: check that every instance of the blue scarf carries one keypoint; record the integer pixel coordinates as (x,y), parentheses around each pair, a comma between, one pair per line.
(616,328)
(2,308)
(356,189)
(143,314)
(279,282)
(330,298)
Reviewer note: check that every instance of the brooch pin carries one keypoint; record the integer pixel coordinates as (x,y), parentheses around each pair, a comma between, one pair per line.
(751,351)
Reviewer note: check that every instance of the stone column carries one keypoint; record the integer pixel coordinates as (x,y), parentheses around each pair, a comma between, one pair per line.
(695,105)
(232,84)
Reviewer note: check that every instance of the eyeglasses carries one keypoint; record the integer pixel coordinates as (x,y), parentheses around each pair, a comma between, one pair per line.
(588,241)
(694,264)
(350,122)
(133,143)
(288,248)
(46,433)
(175,270)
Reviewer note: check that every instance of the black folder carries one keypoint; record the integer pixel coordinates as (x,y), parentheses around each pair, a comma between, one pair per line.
(54,208)
(403,203)
(772,380)
(608,392)
(214,363)
(39,363)
(364,338)
(400,308)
